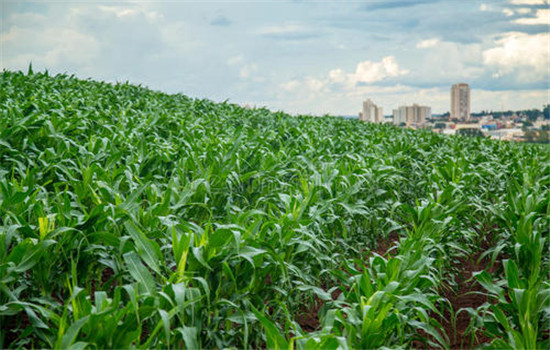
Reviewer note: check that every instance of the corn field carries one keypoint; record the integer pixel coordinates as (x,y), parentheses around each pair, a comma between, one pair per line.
(130,218)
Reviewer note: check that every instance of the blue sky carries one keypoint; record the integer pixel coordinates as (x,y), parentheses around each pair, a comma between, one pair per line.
(298,56)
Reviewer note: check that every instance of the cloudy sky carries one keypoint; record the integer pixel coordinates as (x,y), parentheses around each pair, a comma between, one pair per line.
(311,57)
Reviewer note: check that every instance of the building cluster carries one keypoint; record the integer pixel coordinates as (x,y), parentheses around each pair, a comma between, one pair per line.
(416,115)
(404,115)
(516,127)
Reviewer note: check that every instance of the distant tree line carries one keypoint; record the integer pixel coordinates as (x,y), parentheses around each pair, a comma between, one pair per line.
(537,136)
(472,132)
(531,114)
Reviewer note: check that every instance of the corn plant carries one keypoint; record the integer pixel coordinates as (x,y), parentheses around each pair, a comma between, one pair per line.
(130,218)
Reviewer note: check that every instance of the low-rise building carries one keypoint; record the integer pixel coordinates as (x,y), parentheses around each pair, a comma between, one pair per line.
(515,134)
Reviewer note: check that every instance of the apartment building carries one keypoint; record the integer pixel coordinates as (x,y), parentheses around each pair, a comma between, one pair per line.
(371,112)
(414,114)
(460,102)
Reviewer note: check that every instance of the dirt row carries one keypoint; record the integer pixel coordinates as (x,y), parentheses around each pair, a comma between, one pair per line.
(468,295)
(308,317)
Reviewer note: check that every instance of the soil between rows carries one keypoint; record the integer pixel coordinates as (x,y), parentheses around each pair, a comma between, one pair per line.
(308,317)
(469,295)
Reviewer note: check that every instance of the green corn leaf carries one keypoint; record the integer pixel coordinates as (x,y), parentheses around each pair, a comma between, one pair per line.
(189,335)
(274,339)
(147,249)
(140,273)
(72,332)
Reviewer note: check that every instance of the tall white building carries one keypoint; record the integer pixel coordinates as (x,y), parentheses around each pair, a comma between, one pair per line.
(414,114)
(460,102)
(400,115)
(371,112)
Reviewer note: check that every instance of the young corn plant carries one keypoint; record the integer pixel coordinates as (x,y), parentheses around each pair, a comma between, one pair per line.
(519,316)
(130,218)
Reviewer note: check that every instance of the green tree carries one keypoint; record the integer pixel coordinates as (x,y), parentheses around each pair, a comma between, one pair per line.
(472,132)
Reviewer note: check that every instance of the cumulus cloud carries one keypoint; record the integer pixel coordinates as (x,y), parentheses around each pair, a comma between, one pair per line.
(59,47)
(520,53)
(529,2)
(342,86)
(135,12)
(289,31)
(315,85)
(309,86)
(290,86)
(508,12)
(523,10)
(427,43)
(370,72)
(542,16)
(248,70)
(235,60)
(367,72)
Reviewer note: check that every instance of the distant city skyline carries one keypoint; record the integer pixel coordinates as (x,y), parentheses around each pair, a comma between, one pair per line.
(301,57)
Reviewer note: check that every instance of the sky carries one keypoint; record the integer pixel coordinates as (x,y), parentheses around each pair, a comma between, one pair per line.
(301,57)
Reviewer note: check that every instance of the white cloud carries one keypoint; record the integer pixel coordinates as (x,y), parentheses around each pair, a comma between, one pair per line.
(508,12)
(523,10)
(427,43)
(315,85)
(235,60)
(542,17)
(309,86)
(282,29)
(60,47)
(368,72)
(527,55)
(289,31)
(290,86)
(248,70)
(448,62)
(133,11)
(119,11)
(507,100)
(338,76)
(529,2)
